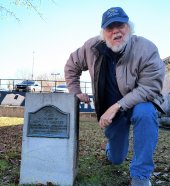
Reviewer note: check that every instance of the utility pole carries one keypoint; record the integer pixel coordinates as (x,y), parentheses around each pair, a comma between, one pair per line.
(33,65)
(55,76)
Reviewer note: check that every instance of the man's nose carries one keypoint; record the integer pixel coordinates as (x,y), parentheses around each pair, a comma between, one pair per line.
(115,30)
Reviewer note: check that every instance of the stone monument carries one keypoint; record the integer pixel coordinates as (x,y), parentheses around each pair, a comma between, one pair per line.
(50,139)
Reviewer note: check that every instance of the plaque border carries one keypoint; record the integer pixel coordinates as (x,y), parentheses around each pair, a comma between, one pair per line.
(54,135)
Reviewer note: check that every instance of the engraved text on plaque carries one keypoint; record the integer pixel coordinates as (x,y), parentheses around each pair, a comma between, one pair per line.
(48,121)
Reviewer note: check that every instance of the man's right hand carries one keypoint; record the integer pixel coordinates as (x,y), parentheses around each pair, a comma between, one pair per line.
(83,97)
(110,113)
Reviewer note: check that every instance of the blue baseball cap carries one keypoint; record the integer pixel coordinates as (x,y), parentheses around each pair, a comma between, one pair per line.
(115,14)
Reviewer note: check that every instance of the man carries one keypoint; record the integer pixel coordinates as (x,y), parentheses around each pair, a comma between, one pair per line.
(127,77)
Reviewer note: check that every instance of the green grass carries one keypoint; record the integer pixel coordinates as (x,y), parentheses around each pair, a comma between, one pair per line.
(99,173)
(93,167)
(3,165)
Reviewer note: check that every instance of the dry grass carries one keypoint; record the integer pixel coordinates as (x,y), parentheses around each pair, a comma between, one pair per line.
(9,121)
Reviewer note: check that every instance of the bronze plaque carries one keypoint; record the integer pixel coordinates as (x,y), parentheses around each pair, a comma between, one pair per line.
(49,121)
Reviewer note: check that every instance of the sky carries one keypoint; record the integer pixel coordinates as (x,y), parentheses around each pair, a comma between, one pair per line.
(42,46)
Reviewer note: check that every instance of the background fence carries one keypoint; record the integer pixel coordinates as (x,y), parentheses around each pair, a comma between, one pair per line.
(9,85)
(10,97)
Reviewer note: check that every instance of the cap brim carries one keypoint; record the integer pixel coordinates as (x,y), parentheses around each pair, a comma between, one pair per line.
(118,19)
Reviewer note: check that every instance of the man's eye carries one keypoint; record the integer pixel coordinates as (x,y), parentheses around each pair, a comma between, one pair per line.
(115,25)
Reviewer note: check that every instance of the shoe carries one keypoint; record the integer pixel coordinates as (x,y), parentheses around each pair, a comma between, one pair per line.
(138,182)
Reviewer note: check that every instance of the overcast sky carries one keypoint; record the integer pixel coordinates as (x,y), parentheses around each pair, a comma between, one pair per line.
(66,26)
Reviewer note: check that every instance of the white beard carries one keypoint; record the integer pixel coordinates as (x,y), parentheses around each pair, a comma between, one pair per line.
(120,47)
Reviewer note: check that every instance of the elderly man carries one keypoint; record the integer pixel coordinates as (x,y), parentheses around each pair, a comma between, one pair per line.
(127,77)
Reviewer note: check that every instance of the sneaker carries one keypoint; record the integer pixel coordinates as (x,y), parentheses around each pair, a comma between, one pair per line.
(138,182)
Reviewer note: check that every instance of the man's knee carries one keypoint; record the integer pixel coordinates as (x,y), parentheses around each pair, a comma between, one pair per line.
(115,157)
(116,161)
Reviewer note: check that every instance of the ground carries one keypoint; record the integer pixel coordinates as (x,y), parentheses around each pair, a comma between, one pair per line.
(94,169)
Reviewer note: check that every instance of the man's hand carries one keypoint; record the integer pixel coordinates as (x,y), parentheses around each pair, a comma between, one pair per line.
(107,117)
(83,97)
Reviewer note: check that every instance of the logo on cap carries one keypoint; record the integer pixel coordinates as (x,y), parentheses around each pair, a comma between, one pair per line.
(112,12)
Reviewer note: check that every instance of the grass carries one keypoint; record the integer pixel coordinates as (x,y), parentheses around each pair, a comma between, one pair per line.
(94,169)
(3,165)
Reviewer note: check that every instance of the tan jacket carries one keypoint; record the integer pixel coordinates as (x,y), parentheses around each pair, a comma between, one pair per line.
(139,72)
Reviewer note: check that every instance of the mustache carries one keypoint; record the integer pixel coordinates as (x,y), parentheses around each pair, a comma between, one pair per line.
(117,36)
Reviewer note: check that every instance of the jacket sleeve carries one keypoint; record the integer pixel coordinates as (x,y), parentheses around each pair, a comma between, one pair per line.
(80,60)
(150,79)
(73,69)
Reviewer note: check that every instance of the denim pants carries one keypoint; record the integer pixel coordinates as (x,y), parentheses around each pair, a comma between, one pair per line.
(143,117)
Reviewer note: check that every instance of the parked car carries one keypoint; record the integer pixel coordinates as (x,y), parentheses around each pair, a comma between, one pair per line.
(28,86)
(60,88)
(4,90)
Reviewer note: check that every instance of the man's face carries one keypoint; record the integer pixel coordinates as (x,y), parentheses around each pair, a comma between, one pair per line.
(116,35)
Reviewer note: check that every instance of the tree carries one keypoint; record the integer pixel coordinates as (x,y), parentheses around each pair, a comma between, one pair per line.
(6,7)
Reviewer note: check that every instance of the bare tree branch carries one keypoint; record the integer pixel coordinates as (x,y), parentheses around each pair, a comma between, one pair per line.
(35,9)
(31,4)
(8,12)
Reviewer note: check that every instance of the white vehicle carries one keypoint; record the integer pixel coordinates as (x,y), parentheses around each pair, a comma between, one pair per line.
(60,88)
(28,86)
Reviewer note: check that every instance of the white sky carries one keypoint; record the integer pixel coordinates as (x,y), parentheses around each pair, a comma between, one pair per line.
(68,24)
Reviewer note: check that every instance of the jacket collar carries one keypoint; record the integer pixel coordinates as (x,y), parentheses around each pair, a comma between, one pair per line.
(100,48)
(100,45)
